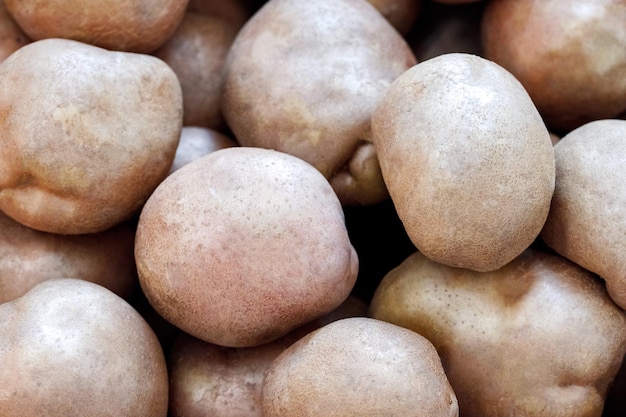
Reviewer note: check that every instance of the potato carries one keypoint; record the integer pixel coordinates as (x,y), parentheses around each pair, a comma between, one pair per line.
(70,347)
(243,245)
(12,37)
(358,367)
(133,26)
(87,134)
(569,55)
(467,160)
(539,337)
(237,11)
(587,222)
(196,142)
(303,77)
(28,257)
(402,14)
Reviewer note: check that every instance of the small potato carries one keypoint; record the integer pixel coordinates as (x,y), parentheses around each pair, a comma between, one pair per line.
(196,142)
(87,134)
(539,337)
(122,25)
(12,37)
(467,160)
(587,220)
(359,367)
(70,347)
(243,245)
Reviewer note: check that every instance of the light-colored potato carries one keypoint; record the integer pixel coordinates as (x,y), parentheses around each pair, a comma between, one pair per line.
(587,220)
(467,160)
(87,134)
(196,142)
(539,337)
(12,37)
(243,245)
(70,347)
(304,76)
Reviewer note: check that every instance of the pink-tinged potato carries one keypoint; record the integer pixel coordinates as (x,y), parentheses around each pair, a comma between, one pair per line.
(12,37)
(540,337)
(402,14)
(568,54)
(69,347)
(467,160)
(359,367)
(28,257)
(303,77)
(243,245)
(196,142)
(87,134)
(123,25)
(587,220)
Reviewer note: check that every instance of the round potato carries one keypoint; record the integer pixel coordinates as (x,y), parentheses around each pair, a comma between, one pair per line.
(196,142)
(87,134)
(243,245)
(538,337)
(467,160)
(70,347)
(12,37)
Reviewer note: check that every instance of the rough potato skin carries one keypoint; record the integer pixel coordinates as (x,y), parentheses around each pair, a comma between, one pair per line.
(539,337)
(73,348)
(87,134)
(12,37)
(241,246)
(359,367)
(303,77)
(587,221)
(467,160)
(122,25)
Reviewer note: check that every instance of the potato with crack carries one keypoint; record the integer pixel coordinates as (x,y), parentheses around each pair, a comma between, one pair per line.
(540,337)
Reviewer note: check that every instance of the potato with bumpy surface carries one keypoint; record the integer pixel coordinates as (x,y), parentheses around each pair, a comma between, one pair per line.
(243,245)
(539,337)
(87,134)
(304,76)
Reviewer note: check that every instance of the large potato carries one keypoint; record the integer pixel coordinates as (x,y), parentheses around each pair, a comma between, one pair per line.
(70,347)
(539,337)
(87,134)
(243,245)
(467,160)
(304,76)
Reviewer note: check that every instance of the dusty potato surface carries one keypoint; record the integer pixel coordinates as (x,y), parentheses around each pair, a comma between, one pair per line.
(87,134)
(539,337)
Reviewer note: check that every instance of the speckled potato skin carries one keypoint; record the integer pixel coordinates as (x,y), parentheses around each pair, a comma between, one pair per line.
(12,37)
(303,77)
(241,246)
(121,25)
(467,160)
(359,367)
(196,142)
(569,55)
(539,337)
(73,348)
(587,220)
(28,257)
(87,134)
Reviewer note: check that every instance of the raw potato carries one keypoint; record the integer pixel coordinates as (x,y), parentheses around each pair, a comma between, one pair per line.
(28,257)
(587,220)
(402,14)
(12,37)
(467,160)
(236,11)
(87,134)
(73,348)
(196,142)
(539,337)
(359,367)
(241,246)
(568,54)
(122,25)
(304,76)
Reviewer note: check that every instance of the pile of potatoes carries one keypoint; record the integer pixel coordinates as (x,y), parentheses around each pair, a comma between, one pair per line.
(293,208)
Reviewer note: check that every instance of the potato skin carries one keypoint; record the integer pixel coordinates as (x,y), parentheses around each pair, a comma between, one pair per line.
(12,37)
(65,105)
(196,142)
(539,337)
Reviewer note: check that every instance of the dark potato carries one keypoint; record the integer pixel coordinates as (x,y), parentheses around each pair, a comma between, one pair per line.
(12,37)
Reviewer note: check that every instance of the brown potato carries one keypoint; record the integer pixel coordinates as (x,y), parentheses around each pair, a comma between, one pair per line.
(587,220)
(568,54)
(402,14)
(87,134)
(539,337)
(196,142)
(303,77)
(467,160)
(359,367)
(12,37)
(243,245)
(132,26)
(237,11)
(70,347)
(28,257)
